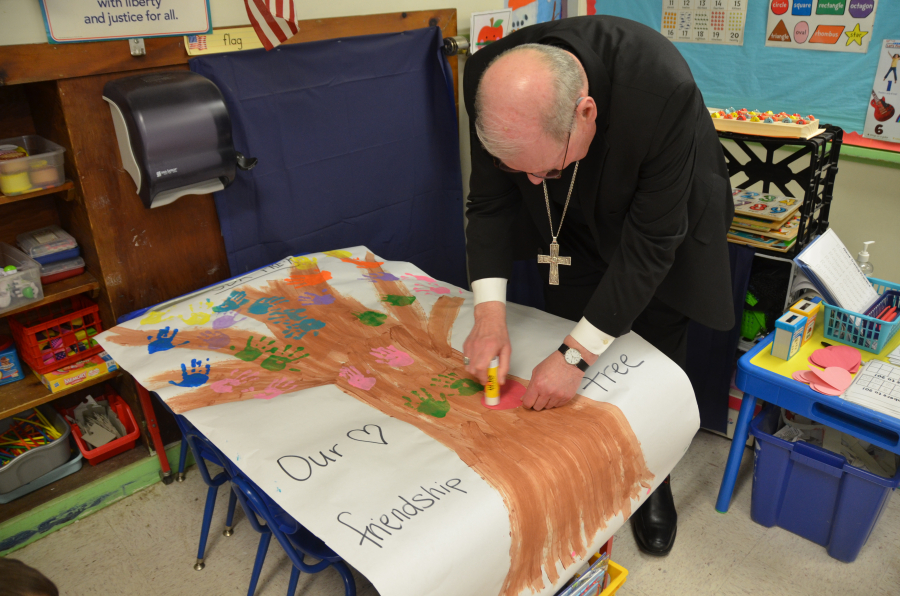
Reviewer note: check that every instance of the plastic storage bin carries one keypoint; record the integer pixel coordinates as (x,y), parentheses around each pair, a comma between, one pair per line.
(48,244)
(120,445)
(864,331)
(22,287)
(617,577)
(68,468)
(38,461)
(41,168)
(58,334)
(61,270)
(10,368)
(813,492)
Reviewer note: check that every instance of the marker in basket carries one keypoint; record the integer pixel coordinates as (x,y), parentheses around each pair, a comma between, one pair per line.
(492,389)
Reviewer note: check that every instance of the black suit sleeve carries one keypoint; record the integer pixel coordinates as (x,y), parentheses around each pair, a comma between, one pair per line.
(491,210)
(657,218)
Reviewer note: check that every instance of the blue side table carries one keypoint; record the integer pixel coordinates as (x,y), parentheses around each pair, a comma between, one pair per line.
(761,375)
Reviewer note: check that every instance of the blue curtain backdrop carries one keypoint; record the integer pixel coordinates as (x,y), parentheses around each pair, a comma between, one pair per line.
(357,144)
(833,86)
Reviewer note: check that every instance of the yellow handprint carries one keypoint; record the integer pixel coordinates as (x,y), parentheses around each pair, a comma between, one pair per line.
(155,317)
(303,262)
(339,254)
(197,318)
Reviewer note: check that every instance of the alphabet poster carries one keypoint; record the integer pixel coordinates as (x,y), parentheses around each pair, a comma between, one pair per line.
(882,118)
(828,25)
(69,21)
(335,382)
(705,21)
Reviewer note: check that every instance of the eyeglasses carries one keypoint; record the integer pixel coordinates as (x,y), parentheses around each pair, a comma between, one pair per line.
(554,174)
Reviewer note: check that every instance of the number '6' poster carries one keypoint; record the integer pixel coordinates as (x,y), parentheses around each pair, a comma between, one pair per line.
(882,118)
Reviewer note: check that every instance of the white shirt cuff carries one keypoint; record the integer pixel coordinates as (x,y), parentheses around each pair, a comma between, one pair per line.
(489,289)
(590,337)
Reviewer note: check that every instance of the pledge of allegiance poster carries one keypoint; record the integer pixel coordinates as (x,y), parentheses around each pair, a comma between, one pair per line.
(829,25)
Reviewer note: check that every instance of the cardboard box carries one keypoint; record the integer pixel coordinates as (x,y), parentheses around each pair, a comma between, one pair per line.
(78,373)
(789,329)
(810,310)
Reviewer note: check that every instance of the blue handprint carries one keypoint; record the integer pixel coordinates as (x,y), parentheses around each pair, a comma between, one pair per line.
(379,276)
(196,377)
(282,314)
(234,301)
(313,299)
(299,329)
(262,306)
(162,342)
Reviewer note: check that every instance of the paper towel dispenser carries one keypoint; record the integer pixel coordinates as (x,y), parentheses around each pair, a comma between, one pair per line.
(174,135)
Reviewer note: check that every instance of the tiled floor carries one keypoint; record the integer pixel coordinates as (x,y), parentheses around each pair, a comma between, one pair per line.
(134,548)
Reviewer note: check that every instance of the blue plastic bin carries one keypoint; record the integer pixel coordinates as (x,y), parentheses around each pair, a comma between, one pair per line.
(813,492)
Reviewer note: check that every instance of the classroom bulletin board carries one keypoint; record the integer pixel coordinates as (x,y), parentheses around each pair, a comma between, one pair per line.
(834,86)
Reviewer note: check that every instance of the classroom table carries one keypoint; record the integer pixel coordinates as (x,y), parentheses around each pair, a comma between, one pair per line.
(763,376)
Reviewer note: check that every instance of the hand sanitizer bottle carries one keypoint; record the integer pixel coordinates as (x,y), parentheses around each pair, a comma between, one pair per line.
(862,258)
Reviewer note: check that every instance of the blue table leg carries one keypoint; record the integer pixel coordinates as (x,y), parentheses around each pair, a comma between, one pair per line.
(738,443)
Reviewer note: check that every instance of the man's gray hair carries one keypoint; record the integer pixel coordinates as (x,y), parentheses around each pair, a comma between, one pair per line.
(556,120)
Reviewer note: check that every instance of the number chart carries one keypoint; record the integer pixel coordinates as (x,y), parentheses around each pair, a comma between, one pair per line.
(704,21)
(882,117)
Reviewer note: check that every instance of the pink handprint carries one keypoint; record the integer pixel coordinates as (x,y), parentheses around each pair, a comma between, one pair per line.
(431,289)
(356,378)
(214,340)
(419,277)
(392,357)
(313,299)
(228,385)
(276,388)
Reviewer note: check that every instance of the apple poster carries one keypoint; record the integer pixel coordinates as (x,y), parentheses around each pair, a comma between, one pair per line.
(488,27)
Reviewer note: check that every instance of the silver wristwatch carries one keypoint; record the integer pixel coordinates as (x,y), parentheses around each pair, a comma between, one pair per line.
(573,357)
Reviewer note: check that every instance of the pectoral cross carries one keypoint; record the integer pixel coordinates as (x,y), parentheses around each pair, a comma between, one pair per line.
(555,261)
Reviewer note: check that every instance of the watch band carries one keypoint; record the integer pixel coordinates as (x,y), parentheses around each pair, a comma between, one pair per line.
(581,364)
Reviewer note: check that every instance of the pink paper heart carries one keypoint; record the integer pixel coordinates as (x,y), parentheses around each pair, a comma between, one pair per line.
(835,376)
(825,388)
(840,356)
(804,376)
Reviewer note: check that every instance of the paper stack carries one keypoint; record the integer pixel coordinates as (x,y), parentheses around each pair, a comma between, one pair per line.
(877,387)
(894,356)
(764,220)
(98,423)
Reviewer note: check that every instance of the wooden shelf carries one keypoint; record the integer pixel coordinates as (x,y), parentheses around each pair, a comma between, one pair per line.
(65,288)
(30,392)
(68,187)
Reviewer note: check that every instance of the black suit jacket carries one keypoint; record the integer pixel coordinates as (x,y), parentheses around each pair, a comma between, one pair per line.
(653,187)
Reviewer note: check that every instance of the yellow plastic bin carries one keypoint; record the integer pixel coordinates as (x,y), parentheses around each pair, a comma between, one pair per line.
(617,577)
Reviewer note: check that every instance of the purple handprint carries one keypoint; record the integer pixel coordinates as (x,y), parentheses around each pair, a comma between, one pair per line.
(376,276)
(196,377)
(313,299)
(228,385)
(214,340)
(356,378)
(227,319)
(392,357)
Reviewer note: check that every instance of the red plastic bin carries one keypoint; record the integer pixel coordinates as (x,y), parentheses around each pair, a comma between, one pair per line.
(50,337)
(120,445)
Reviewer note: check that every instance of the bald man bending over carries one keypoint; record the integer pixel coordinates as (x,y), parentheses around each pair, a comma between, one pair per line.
(593,153)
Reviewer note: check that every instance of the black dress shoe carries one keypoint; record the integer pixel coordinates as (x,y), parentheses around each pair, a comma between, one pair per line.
(656,522)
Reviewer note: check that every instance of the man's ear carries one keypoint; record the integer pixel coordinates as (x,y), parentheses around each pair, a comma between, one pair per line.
(587,109)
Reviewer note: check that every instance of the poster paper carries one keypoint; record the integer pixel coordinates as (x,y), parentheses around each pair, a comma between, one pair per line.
(828,25)
(335,382)
(95,20)
(882,117)
(219,41)
(488,27)
(704,21)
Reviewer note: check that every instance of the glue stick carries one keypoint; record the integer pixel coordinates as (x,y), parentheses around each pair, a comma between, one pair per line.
(492,389)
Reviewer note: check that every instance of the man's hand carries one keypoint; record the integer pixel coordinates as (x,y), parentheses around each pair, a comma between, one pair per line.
(487,339)
(554,381)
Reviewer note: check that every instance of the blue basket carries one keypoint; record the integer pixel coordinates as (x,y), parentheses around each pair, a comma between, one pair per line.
(864,331)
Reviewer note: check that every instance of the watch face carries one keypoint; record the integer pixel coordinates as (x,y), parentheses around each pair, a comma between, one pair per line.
(573,356)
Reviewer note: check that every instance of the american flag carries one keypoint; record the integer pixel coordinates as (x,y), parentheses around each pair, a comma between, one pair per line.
(274,20)
(197,42)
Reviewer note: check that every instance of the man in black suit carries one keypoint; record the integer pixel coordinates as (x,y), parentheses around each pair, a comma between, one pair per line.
(592,151)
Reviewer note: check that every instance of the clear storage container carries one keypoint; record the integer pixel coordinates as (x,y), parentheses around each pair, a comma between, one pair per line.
(61,270)
(22,286)
(46,241)
(40,165)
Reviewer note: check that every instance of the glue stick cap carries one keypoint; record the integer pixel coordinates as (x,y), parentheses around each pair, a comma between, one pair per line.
(495,362)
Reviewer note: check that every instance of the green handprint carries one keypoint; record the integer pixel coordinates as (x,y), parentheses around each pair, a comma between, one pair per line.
(251,353)
(276,363)
(395,300)
(428,405)
(371,318)
(452,380)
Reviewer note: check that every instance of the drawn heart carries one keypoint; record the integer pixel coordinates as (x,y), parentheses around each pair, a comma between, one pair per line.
(835,376)
(369,435)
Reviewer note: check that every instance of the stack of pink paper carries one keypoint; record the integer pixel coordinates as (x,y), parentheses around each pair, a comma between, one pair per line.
(840,363)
